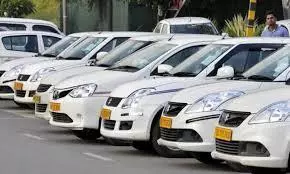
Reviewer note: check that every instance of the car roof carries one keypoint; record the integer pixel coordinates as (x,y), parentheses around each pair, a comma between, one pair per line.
(190,38)
(186,20)
(117,34)
(260,40)
(11,33)
(25,20)
(176,37)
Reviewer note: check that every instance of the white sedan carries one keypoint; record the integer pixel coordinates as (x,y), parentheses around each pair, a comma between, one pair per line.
(253,131)
(139,104)
(76,103)
(189,118)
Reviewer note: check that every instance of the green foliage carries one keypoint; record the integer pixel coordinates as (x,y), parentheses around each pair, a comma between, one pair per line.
(16,8)
(238,25)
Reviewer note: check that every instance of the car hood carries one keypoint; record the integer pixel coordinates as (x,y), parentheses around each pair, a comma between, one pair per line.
(259,100)
(11,64)
(61,75)
(56,64)
(192,94)
(160,84)
(106,80)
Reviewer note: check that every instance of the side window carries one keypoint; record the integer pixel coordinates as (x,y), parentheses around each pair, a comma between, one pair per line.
(164,29)
(21,43)
(14,27)
(48,41)
(44,28)
(158,28)
(113,43)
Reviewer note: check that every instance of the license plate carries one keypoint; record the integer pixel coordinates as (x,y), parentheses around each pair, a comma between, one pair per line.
(223,134)
(36,99)
(165,122)
(106,114)
(54,106)
(18,86)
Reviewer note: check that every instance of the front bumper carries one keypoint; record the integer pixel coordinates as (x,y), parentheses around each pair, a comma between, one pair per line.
(26,94)
(273,136)
(41,108)
(83,112)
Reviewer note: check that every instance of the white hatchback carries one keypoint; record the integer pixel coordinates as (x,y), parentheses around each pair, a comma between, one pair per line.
(189,119)
(136,107)
(253,131)
(76,103)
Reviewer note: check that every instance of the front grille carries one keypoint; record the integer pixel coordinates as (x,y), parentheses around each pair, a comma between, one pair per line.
(60,117)
(20,93)
(43,87)
(233,118)
(180,135)
(109,124)
(41,108)
(172,109)
(23,77)
(57,94)
(6,89)
(228,147)
(31,93)
(113,101)
(1,73)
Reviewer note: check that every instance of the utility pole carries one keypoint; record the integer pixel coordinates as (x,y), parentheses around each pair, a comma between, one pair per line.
(251,18)
(64,16)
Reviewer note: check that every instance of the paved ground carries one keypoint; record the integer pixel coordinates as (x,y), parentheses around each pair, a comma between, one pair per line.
(31,146)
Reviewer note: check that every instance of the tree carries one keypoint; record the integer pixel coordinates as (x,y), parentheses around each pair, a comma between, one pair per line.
(16,8)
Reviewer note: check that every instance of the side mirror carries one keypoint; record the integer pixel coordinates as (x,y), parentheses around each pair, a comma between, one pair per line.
(226,72)
(91,62)
(288,78)
(101,55)
(163,68)
(225,35)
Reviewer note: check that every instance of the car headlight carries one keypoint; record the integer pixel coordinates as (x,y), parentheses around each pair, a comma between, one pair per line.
(41,73)
(212,101)
(14,72)
(276,112)
(83,91)
(136,96)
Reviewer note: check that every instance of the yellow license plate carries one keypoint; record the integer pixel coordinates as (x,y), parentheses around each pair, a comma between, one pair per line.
(106,114)
(54,106)
(18,86)
(165,122)
(36,99)
(223,134)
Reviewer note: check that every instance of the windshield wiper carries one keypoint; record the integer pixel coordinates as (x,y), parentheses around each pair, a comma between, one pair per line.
(164,74)
(102,65)
(184,74)
(48,55)
(124,68)
(259,77)
(68,58)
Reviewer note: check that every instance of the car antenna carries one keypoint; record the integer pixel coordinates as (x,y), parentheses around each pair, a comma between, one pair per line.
(171,37)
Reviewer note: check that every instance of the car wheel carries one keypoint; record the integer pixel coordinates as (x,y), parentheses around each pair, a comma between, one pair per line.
(163,150)
(259,170)
(115,142)
(142,145)
(87,134)
(205,158)
(238,167)
(22,105)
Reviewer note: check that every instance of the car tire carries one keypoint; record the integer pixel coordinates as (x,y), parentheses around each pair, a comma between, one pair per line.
(115,142)
(87,134)
(205,157)
(22,105)
(259,170)
(142,145)
(238,167)
(163,150)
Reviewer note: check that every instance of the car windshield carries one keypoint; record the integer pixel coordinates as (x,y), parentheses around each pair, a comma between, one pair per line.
(193,65)
(122,51)
(193,29)
(82,49)
(271,67)
(142,58)
(57,48)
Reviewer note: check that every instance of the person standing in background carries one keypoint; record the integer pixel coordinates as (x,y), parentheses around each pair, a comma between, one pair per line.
(273,29)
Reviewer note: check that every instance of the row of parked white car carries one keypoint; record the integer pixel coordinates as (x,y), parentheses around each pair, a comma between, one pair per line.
(215,98)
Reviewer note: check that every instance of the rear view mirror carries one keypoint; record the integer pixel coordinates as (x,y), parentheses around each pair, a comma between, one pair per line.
(226,72)
(163,68)
(101,55)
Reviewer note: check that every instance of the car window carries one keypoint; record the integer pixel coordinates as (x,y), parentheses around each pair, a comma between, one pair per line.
(44,28)
(14,27)
(164,29)
(21,43)
(48,41)
(113,43)
(193,29)
(158,28)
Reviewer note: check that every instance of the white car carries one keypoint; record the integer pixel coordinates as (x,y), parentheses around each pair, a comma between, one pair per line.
(130,46)
(10,70)
(76,103)
(97,42)
(18,24)
(139,104)
(186,25)
(189,119)
(253,131)
(18,44)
